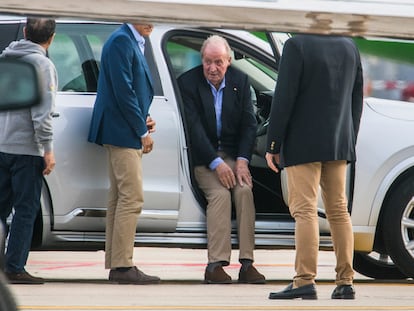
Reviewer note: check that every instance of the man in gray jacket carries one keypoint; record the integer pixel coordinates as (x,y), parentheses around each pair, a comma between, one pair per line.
(26,152)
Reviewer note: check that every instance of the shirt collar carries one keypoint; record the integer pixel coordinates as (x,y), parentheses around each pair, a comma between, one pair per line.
(140,39)
(222,84)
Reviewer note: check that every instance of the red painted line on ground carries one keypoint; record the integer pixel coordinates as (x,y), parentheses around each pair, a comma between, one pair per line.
(53,265)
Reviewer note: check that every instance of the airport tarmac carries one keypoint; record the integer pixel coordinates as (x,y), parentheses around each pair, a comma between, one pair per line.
(78,281)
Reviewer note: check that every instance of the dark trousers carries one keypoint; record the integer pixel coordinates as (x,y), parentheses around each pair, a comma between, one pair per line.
(20,189)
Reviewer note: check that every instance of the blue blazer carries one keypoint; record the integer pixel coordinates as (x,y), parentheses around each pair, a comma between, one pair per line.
(124,93)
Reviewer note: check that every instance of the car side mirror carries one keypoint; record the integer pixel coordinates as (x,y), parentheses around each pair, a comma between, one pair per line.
(19,84)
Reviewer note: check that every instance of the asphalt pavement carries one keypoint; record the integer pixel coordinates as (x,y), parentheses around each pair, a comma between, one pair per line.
(78,281)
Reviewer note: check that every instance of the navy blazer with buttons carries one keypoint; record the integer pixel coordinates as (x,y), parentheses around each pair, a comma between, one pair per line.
(238,131)
(318,100)
(124,93)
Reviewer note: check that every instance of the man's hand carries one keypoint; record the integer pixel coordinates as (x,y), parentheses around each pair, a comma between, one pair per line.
(150,124)
(226,175)
(273,160)
(243,173)
(50,162)
(147,143)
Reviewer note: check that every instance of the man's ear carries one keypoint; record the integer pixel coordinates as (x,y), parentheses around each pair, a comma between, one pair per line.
(49,42)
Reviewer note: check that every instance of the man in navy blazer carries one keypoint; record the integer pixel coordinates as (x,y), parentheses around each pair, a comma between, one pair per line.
(121,123)
(222,129)
(314,123)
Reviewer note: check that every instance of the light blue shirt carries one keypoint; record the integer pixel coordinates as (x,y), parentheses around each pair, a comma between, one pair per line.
(218,102)
(140,39)
(218,105)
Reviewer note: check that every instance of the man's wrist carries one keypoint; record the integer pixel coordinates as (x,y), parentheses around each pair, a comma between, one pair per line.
(216,162)
(243,159)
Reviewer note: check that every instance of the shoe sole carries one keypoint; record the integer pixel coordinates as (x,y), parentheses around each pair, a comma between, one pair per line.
(114,281)
(214,282)
(304,297)
(252,282)
(26,282)
(349,297)
(134,283)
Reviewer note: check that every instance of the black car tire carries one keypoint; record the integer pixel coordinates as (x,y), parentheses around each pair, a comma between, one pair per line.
(373,267)
(398,226)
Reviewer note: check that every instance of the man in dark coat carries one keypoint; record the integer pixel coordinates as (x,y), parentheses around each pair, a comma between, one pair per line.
(222,130)
(313,129)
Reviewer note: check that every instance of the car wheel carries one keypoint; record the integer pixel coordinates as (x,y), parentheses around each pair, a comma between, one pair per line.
(377,266)
(7,302)
(398,229)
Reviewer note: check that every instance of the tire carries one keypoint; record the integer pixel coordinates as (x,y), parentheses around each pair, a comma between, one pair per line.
(7,302)
(398,225)
(377,266)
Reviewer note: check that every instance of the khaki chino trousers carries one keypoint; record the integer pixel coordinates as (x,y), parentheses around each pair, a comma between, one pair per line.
(303,187)
(125,203)
(219,209)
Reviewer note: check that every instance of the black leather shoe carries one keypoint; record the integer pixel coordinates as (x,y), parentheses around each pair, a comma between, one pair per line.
(304,292)
(343,292)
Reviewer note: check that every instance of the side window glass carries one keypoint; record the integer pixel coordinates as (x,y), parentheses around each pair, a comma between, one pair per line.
(182,57)
(76,53)
(388,68)
(68,64)
(96,45)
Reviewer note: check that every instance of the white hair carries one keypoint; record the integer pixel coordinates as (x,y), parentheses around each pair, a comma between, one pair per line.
(217,41)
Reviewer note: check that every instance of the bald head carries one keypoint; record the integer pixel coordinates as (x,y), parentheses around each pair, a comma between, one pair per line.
(39,30)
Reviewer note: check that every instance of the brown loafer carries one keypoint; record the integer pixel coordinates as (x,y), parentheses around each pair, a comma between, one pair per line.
(218,276)
(23,278)
(251,276)
(132,276)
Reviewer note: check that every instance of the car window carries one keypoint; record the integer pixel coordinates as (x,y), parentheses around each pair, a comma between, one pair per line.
(183,55)
(68,64)
(76,53)
(388,67)
(9,32)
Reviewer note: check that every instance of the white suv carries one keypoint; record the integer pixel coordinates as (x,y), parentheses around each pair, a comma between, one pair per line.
(74,196)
